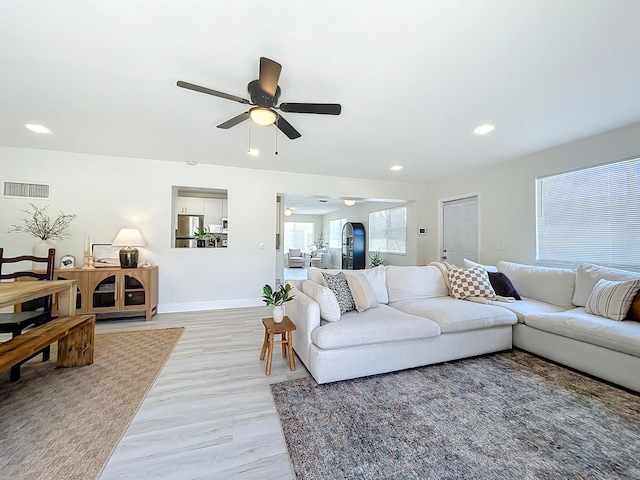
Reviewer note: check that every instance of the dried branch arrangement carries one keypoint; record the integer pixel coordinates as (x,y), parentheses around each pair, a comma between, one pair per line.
(39,225)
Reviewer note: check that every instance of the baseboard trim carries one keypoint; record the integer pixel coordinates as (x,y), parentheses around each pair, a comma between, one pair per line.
(210,305)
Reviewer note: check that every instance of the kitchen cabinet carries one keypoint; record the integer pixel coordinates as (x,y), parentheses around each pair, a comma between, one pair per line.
(115,292)
(190,206)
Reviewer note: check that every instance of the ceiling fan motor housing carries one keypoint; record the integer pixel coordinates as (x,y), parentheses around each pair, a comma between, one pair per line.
(260,97)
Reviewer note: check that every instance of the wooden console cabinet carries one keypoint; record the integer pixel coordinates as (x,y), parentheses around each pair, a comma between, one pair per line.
(115,292)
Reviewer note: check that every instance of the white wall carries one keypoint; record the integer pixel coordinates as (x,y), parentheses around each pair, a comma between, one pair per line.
(108,193)
(507,193)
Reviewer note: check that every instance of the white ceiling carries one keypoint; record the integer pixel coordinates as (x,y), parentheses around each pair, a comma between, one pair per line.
(413,77)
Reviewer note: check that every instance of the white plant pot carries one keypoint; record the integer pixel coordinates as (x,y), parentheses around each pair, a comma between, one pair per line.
(41,249)
(278,313)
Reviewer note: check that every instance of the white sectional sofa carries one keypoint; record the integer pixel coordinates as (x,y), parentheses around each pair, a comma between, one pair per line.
(409,319)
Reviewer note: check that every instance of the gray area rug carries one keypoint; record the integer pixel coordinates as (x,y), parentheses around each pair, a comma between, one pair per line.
(504,416)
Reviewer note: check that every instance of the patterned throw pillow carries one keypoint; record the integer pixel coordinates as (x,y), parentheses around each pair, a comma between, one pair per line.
(472,282)
(612,299)
(339,286)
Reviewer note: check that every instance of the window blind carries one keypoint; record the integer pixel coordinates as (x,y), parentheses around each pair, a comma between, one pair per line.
(388,230)
(590,215)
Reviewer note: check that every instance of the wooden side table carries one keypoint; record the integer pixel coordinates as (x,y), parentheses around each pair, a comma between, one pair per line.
(284,329)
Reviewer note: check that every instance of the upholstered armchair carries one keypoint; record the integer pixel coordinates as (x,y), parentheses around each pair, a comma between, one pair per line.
(296,259)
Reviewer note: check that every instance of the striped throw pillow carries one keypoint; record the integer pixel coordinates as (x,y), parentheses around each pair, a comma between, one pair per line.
(612,299)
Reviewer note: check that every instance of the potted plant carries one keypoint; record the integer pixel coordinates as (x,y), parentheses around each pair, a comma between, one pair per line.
(277,297)
(376,259)
(201,235)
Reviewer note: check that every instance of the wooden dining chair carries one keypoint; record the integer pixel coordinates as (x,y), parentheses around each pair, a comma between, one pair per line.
(34,312)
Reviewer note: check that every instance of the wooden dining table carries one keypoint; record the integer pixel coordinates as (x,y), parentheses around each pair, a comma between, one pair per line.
(12,293)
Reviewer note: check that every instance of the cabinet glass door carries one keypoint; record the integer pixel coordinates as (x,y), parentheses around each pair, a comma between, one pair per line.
(104,295)
(134,292)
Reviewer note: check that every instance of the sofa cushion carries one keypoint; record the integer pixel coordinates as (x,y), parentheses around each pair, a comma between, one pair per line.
(339,286)
(621,337)
(551,285)
(453,315)
(529,306)
(612,299)
(502,285)
(588,275)
(362,293)
(470,264)
(326,299)
(376,325)
(376,277)
(472,282)
(407,283)
(294,252)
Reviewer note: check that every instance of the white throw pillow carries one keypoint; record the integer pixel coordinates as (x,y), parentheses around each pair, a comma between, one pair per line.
(315,275)
(588,275)
(329,308)
(612,299)
(362,293)
(472,282)
(377,279)
(471,264)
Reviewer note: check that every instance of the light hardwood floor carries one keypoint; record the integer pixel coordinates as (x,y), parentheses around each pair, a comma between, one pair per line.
(210,414)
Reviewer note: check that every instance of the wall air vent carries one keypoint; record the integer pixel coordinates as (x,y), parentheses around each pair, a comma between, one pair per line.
(26,190)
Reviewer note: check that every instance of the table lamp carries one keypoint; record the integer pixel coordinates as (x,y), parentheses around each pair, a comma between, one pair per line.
(128,239)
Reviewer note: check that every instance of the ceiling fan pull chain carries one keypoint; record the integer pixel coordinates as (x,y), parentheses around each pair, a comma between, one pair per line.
(276,130)
(249,140)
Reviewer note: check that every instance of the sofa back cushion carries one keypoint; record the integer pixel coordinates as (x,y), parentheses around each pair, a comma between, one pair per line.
(588,275)
(376,277)
(551,285)
(410,283)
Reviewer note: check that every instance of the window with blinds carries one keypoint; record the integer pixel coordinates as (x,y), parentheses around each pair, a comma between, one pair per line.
(388,231)
(590,215)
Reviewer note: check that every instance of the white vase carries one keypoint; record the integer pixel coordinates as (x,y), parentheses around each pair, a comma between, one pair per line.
(41,249)
(278,313)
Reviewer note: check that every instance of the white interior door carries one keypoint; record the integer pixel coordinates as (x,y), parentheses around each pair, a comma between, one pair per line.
(460,230)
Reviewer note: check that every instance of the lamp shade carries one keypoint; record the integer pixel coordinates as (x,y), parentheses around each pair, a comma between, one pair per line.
(129,237)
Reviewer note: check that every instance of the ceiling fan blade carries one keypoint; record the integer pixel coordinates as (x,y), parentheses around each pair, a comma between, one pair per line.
(234,121)
(269,75)
(208,91)
(286,128)
(322,108)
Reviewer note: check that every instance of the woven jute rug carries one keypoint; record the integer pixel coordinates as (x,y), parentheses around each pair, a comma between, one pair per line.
(505,416)
(64,423)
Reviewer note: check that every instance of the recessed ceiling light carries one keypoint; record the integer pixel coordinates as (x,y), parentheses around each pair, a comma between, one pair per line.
(349,202)
(34,127)
(287,212)
(396,168)
(254,152)
(483,129)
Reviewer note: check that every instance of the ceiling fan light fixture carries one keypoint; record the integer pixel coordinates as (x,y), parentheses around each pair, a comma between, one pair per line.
(254,152)
(349,202)
(263,116)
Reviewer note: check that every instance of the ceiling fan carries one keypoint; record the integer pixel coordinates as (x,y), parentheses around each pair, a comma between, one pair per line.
(264,93)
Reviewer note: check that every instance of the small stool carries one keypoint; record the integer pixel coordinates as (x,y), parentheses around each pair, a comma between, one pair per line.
(283,329)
